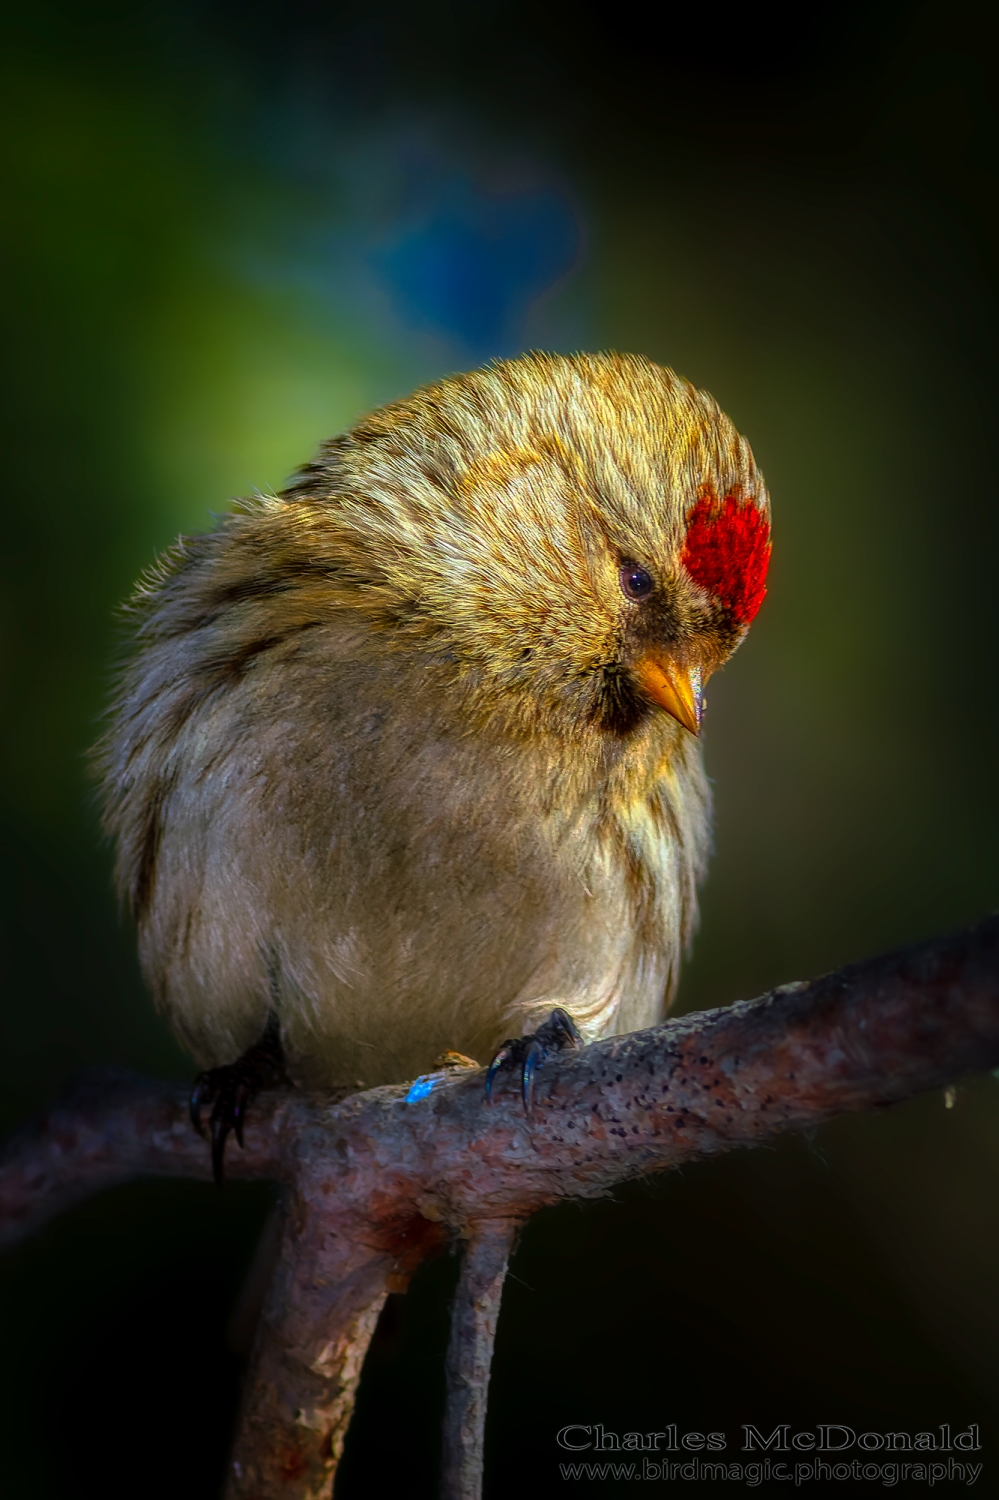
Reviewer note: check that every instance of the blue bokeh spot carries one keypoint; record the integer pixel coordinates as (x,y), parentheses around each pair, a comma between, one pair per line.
(471,267)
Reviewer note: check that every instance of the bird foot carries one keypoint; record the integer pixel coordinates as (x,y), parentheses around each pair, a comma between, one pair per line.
(528,1053)
(231,1089)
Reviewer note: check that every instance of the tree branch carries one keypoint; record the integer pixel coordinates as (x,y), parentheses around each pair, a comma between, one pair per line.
(376,1182)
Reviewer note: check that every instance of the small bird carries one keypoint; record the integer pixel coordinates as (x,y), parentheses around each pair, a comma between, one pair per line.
(405,759)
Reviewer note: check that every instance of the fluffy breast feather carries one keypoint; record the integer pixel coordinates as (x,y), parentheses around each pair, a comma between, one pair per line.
(304,822)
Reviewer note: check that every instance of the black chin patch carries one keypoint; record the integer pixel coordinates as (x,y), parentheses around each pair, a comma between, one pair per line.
(619,707)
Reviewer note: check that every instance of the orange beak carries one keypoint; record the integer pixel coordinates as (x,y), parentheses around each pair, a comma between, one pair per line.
(674,688)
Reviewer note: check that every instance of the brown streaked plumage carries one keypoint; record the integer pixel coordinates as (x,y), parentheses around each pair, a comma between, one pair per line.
(398,757)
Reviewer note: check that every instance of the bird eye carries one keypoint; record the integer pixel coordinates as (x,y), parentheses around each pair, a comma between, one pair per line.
(635,582)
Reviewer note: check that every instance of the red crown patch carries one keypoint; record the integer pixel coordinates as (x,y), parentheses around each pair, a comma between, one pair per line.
(728,552)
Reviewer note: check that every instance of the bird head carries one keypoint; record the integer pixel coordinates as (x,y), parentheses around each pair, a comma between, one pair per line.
(581,540)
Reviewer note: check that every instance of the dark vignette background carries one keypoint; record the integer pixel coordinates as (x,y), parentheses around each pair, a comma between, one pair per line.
(230,228)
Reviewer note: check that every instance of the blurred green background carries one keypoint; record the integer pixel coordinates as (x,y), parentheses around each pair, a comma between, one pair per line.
(230,228)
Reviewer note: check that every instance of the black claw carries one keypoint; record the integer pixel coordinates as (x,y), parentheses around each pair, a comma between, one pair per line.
(502,1056)
(534,1058)
(198,1095)
(239,1112)
(220,1132)
(232,1089)
(529,1053)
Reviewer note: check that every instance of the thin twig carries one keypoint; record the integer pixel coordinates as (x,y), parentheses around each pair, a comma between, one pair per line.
(470,1356)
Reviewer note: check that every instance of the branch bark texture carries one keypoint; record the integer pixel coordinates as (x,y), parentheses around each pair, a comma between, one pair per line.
(375,1183)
